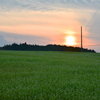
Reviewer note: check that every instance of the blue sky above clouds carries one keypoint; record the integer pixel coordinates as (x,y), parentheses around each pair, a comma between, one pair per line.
(45,5)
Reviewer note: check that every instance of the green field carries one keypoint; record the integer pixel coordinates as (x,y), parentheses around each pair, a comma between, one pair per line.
(49,75)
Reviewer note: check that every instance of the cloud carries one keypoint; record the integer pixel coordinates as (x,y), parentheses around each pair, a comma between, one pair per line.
(17,38)
(94,28)
(46,5)
(3,41)
(95,19)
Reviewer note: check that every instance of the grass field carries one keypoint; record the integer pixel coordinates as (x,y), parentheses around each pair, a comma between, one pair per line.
(48,75)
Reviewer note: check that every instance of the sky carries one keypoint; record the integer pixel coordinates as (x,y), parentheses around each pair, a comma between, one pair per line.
(45,22)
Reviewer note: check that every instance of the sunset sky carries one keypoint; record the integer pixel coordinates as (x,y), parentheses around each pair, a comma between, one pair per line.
(45,22)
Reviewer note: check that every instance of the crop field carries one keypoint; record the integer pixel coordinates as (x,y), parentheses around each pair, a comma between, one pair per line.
(49,75)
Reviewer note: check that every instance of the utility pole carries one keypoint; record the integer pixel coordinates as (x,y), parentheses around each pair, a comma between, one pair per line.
(81,40)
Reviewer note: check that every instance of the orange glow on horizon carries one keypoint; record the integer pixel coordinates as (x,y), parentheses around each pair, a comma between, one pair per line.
(58,27)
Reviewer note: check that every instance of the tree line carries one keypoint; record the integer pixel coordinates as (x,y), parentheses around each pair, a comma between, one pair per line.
(49,47)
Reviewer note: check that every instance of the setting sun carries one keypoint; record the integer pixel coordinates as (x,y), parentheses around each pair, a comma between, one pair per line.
(70,40)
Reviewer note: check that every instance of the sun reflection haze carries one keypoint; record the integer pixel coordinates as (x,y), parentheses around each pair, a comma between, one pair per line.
(70,32)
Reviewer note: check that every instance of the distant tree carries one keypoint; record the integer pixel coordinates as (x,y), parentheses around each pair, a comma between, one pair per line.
(49,47)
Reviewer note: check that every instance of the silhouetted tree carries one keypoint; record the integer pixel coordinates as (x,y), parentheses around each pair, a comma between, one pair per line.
(49,47)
